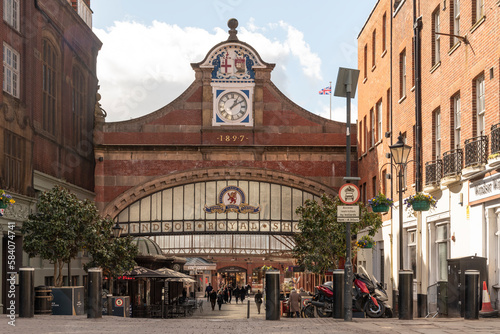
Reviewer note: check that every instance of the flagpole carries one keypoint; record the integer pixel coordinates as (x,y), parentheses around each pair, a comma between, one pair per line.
(330,100)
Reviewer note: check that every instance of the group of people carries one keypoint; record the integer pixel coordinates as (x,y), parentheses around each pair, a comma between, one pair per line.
(225,294)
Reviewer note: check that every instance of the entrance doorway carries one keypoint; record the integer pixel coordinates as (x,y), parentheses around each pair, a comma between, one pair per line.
(233,276)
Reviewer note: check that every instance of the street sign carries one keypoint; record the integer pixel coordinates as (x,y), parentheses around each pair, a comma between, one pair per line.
(347,213)
(349,193)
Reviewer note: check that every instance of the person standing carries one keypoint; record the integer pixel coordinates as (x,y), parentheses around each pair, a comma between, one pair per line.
(220,298)
(258,300)
(208,289)
(230,293)
(236,293)
(213,298)
(294,302)
(243,293)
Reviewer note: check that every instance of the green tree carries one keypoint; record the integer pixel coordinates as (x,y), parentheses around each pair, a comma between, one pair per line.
(322,240)
(114,256)
(64,225)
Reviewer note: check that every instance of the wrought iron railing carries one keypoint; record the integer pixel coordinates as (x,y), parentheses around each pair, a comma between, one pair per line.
(495,138)
(452,162)
(476,151)
(433,171)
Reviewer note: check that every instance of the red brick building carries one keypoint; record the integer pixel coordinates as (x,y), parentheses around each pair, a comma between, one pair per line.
(49,94)
(231,135)
(460,103)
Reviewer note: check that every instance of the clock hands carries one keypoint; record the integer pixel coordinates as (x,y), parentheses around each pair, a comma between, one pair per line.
(235,104)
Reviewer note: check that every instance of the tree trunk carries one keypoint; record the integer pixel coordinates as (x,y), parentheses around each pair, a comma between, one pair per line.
(58,273)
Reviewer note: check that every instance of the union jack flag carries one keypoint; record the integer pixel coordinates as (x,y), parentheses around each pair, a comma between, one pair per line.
(326,91)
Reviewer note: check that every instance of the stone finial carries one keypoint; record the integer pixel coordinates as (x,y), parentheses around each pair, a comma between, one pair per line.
(232,24)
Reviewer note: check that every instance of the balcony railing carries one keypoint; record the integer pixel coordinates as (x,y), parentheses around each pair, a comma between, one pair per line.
(452,162)
(433,172)
(495,138)
(476,151)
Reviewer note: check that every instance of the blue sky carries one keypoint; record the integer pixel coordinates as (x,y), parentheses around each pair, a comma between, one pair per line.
(148,46)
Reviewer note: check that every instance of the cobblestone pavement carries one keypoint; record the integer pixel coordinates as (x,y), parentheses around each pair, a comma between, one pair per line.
(233,319)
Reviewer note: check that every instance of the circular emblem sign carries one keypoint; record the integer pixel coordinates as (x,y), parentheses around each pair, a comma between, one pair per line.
(349,193)
(118,302)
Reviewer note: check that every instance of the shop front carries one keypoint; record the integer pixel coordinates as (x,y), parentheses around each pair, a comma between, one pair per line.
(232,276)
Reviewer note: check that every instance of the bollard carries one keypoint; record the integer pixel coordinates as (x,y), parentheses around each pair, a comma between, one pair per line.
(26,292)
(338,294)
(405,299)
(272,295)
(248,308)
(95,293)
(471,298)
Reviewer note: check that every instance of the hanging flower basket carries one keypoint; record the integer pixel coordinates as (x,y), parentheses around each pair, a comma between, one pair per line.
(3,205)
(380,203)
(380,208)
(420,202)
(365,242)
(421,205)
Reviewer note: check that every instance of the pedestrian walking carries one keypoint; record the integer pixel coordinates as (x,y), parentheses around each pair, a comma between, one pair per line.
(220,299)
(230,293)
(258,300)
(226,295)
(243,293)
(208,289)
(236,293)
(213,299)
(294,303)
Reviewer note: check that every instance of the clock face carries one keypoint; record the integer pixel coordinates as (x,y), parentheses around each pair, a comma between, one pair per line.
(232,106)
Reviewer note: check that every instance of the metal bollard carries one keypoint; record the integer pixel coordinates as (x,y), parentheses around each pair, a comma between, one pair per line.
(338,294)
(471,298)
(26,292)
(95,293)
(273,295)
(248,308)
(405,299)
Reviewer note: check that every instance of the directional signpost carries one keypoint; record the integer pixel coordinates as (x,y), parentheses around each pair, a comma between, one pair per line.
(348,194)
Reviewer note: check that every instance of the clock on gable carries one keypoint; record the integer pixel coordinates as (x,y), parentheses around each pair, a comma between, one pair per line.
(232,65)
(232,106)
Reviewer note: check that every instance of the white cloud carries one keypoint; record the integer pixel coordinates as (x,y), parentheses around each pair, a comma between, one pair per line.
(142,68)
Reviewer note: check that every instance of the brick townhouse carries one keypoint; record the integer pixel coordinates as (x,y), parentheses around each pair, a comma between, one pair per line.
(460,116)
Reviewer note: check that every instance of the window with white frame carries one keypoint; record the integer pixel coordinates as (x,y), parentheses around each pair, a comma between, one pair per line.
(456,20)
(436,47)
(437,144)
(478,13)
(379,120)
(441,251)
(457,121)
(372,128)
(411,254)
(10,70)
(480,105)
(11,13)
(402,74)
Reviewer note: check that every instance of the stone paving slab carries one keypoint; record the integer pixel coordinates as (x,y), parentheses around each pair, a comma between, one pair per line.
(233,319)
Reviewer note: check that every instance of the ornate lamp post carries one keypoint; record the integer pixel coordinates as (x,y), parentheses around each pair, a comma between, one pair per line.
(400,152)
(117,230)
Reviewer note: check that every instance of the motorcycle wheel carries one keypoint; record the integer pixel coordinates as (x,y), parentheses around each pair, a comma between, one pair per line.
(323,312)
(308,312)
(372,310)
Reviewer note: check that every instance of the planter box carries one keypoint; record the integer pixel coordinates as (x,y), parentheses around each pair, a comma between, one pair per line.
(68,300)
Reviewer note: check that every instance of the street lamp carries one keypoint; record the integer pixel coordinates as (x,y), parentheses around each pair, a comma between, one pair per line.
(117,230)
(400,152)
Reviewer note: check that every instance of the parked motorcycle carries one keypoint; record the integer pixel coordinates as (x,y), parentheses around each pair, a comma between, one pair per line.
(369,295)
(322,301)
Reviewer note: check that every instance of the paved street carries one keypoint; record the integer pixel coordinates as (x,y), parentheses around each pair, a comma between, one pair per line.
(233,319)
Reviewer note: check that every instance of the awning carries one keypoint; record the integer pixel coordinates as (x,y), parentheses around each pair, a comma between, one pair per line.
(139,271)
